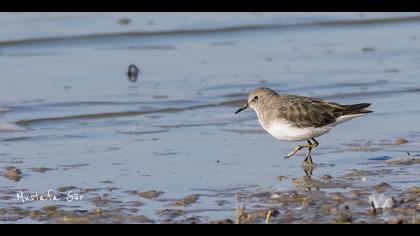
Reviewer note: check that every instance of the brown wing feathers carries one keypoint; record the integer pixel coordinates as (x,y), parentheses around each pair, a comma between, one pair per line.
(308,112)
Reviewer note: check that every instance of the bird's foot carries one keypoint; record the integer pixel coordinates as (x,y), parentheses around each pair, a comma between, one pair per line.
(295,150)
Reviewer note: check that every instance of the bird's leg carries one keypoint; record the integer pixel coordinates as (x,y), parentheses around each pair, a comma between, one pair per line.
(299,147)
(295,150)
(308,158)
(316,144)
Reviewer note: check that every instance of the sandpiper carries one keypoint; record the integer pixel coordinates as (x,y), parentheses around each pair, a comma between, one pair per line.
(297,118)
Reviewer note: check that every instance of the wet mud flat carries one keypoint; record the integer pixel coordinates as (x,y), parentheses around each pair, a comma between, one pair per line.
(324,200)
(372,194)
(82,142)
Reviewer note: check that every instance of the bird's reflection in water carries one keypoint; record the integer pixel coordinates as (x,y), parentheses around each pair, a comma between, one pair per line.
(308,170)
(307,181)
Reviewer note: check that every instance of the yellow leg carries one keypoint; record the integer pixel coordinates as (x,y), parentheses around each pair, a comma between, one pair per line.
(308,158)
(299,147)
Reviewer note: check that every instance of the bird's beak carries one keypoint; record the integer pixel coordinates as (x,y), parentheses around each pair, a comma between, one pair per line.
(242,108)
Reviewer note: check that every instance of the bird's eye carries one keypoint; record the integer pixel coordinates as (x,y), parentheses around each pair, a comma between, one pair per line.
(256,98)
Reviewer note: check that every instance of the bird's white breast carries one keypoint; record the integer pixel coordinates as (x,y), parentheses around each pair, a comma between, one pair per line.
(284,130)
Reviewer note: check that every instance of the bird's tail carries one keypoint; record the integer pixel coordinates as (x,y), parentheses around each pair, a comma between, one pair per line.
(356,109)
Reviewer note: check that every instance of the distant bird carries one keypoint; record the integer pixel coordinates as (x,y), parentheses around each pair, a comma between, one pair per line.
(133,73)
(297,118)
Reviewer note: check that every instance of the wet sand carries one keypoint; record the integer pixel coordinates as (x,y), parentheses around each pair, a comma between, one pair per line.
(167,148)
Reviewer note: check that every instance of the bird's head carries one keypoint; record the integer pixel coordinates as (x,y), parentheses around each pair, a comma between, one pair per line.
(257,97)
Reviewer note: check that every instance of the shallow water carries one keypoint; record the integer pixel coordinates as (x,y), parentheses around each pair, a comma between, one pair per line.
(67,105)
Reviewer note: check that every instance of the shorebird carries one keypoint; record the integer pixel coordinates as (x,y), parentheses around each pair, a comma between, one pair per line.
(298,118)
